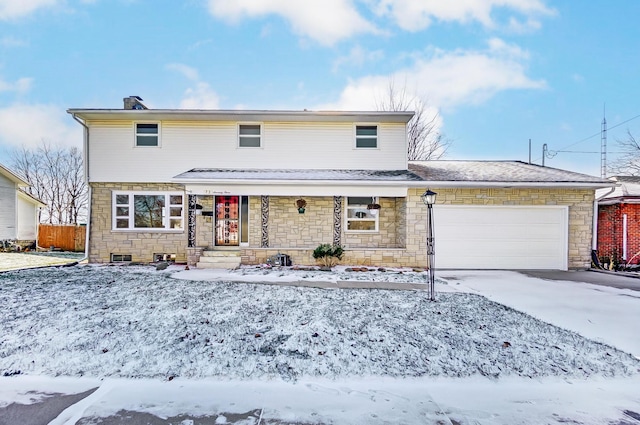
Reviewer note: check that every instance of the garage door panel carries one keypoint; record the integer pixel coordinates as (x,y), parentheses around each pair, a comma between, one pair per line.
(501,237)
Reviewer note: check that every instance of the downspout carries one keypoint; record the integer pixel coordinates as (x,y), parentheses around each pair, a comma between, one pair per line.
(90,192)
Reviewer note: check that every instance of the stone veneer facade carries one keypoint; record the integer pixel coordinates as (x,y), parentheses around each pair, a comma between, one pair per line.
(401,240)
(103,241)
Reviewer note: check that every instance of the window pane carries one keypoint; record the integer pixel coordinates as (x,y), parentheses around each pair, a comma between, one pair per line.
(175,212)
(122,223)
(147,141)
(358,213)
(122,199)
(366,143)
(120,211)
(244,214)
(148,210)
(175,199)
(359,200)
(147,128)
(366,130)
(250,129)
(175,223)
(361,225)
(250,142)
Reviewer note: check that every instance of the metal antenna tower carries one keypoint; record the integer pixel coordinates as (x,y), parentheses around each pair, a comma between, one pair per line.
(603,146)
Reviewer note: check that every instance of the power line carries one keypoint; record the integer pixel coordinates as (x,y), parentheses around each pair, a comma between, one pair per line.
(591,137)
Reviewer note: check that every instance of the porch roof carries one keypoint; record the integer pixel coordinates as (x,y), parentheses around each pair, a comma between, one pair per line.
(207,175)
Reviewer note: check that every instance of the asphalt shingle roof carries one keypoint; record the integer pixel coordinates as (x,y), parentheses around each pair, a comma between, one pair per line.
(497,171)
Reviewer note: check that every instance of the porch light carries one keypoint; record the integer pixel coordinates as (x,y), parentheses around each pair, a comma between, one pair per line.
(429,198)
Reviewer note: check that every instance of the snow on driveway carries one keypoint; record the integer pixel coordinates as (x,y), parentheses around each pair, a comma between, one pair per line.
(20,260)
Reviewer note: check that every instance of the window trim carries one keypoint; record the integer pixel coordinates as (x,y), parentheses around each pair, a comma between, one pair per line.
(136,134)
(130,216)
(356,137)
(347,219)
(260,137)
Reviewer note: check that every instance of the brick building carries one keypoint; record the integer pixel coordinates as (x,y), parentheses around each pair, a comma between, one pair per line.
(619,222)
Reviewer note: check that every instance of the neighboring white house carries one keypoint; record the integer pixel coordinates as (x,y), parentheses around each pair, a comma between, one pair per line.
(224,187)
(18,209)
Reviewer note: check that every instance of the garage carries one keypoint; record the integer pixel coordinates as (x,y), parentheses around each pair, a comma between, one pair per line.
(501,237)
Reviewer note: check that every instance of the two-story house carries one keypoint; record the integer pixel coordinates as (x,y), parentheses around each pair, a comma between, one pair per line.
(246,185)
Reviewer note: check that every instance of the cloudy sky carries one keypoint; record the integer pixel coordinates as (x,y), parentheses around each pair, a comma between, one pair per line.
(498,72)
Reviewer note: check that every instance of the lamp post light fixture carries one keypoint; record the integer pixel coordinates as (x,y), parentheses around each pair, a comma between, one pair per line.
(429,198)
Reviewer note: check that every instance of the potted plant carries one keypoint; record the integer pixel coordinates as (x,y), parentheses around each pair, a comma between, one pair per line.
(301,204)
(373,208)
(328,255)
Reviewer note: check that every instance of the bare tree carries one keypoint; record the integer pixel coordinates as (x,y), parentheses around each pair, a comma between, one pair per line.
(628,163)
(424,140)
(56,178)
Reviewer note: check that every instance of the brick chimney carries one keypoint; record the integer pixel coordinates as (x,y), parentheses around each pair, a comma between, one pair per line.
(133,102)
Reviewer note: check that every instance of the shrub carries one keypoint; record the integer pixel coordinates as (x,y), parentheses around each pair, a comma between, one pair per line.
(328,255)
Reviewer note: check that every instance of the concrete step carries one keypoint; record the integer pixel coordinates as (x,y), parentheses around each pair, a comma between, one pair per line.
(219,259)
(221,253)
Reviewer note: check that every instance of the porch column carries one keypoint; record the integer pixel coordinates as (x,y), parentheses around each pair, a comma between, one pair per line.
(337,220)
(264,218)
(191,221)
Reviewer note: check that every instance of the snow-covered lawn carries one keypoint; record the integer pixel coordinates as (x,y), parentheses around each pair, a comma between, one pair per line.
(106,321)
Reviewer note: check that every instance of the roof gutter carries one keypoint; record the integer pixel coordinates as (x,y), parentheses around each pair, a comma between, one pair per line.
(419,184)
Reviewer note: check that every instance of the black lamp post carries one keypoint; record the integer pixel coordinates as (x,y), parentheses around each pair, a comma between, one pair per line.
(429,198)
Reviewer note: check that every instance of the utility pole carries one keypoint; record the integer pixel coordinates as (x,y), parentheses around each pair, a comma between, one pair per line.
(603,146)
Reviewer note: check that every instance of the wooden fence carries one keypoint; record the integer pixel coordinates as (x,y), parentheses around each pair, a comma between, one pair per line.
(63,236)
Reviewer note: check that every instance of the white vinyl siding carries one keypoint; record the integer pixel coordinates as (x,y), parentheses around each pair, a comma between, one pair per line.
(188,145)
(27,220)
(501,237)
(7,208)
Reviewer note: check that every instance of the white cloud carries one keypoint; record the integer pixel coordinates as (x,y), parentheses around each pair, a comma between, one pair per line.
(412,15)
(200,97)
(325,21)
(29,124)
(10,41)
(447,80)
(358,57)
(22,85)
(185,70)
(11,9)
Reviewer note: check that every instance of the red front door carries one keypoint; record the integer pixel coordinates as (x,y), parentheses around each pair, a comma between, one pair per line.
(227,221)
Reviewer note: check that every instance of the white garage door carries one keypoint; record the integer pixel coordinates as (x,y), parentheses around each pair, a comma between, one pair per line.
(501,237)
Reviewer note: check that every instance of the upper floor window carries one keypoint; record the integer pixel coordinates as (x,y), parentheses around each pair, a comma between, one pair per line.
(147,134)
(148,210)
(366,136)
(249,135)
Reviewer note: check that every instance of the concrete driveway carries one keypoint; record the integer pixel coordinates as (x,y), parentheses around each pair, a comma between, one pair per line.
(21,260)
(596,277)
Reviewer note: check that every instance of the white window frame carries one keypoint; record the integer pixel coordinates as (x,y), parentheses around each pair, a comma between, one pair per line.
(260,136)
(361,207)
(356,137)
(136,134)
(166,219)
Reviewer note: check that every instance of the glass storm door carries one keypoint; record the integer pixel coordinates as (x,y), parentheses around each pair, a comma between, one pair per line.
(227,215)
